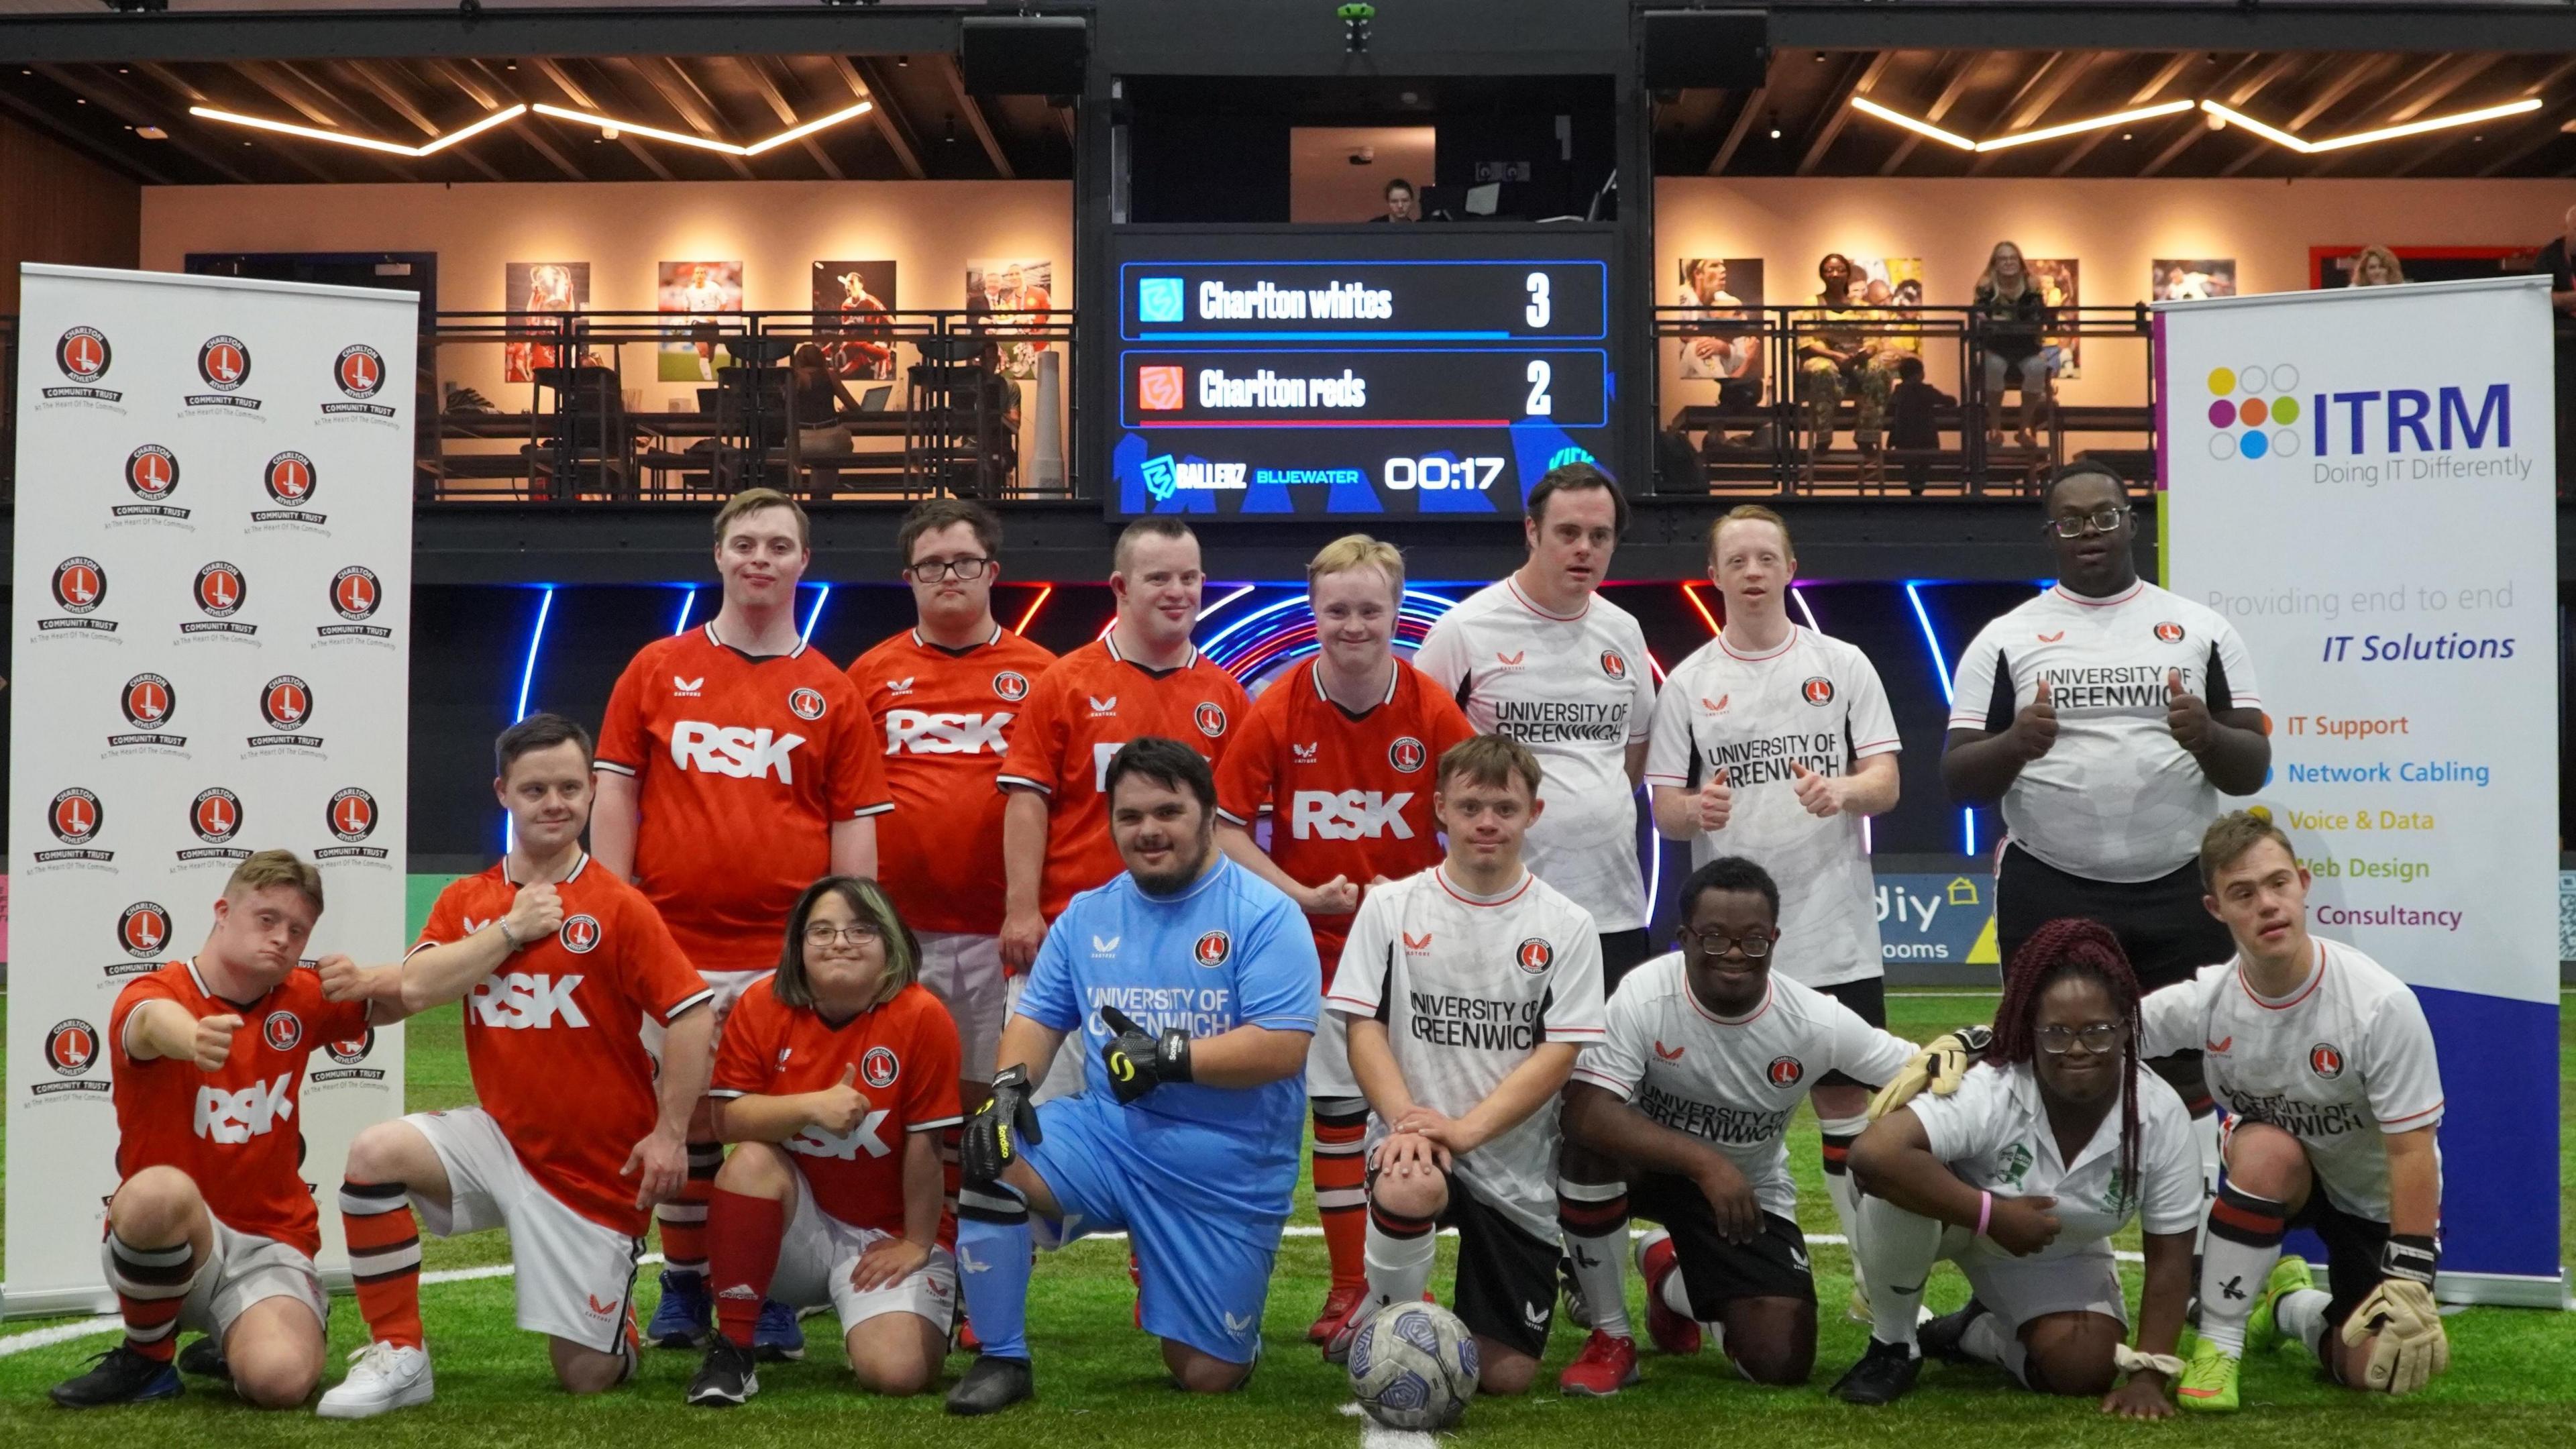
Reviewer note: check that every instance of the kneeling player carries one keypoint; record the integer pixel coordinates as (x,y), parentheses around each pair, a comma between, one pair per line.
(559,964)
(1707,1054)
(1469,989)
(2326,1064)
(828,1197)
(211,1227)
(1195,981)
(2021,1177)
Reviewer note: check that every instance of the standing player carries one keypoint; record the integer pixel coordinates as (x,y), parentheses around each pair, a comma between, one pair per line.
(1540,656)
(2326,1066)
(1706,1055)
(948,692)
(1335,755)
(1774,743)
(830,1198)
(735,766)
(212,1227)
(560,964)
(1192,984)
(2108,715)
(1470,988)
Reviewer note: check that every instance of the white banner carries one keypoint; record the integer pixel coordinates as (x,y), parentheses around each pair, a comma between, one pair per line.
(212,657)
(2362,482)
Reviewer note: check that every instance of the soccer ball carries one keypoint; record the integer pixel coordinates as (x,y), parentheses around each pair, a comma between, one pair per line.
(1413,1366)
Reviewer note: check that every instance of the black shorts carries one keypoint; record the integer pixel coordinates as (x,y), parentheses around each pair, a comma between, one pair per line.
(1621,953)
(1867,998)
(1716,1272)
(2353,1245)
(1506,1285)
(2167,933)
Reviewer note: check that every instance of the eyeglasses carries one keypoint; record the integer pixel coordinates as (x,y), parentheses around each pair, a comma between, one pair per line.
(857,933)
(2084,523)
(1717,943)
(2100,1038)
(933,571)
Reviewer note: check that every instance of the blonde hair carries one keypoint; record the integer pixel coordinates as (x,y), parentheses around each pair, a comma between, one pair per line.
(1751,513)
(868,902)
(2233,834)
(752,500)
(276,868)
(1357,551)
(2387,258)
(1489,760)
(1986,278)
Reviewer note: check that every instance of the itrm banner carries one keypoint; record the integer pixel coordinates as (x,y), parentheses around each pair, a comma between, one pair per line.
(2361,481)
(211,658)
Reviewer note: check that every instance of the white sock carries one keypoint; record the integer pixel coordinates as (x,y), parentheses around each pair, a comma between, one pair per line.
(2244,1242)
(1399,1267)
(1839,1187)
(1898,1248)
(1676,1295)
(1985,1339)
(2205,1134)
(2302,1315)
(1599,1255)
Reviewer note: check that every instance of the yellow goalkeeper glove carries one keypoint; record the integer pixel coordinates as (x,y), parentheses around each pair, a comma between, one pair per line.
(1938,1067)
(2408,1345)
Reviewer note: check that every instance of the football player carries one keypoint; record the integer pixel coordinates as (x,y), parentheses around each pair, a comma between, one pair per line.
(212,1227)
(2326,1066)
(1336,756)
(560,963)
(949,691)
(1706,1055)
(735,766)
(1470,988)
(830,1197)
(1192,983)
(2055,1142)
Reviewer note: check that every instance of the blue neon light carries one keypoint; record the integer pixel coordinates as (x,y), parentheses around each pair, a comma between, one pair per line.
(816,613)
(536,640)
(688,601)
(1941,671)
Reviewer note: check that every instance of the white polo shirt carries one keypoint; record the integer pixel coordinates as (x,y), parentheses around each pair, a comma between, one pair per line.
(1994,1133)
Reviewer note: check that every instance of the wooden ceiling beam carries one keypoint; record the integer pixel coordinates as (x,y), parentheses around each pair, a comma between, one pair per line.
(2143,95)
(864,79)
(967,106)
(1735,134)
(1857,77)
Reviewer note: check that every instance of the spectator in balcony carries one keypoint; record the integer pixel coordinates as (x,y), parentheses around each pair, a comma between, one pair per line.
(1837,358)
(1914,420)
(2016,316)
(820,405)
(2377,267)
(1714,352)
(1401,204)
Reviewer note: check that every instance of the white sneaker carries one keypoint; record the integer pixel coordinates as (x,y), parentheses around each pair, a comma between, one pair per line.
(387,1376)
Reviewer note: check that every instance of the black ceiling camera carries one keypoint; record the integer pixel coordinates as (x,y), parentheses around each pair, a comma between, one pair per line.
(1355,26)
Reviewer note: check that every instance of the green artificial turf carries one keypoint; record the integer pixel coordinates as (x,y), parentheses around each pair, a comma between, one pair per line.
(2513,1379)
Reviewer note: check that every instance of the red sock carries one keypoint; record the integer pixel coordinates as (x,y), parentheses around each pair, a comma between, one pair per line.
(743,1232)
(151,1287)
(1341,1193)
(684,1218)
(384,1259)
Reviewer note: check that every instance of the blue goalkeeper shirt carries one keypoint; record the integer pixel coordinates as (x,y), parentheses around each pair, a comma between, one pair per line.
(1229,951)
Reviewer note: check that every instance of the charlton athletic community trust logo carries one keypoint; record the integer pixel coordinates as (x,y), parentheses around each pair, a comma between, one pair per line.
(290,481)
(77,590)
(356,594)
(151,475)
(223,364)
(359,373)
(82,355)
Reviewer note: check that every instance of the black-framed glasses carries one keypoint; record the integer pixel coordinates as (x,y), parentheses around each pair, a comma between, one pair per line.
(936,569)
(1755,945)
(2080,524)
(856,933)
(2099,1039)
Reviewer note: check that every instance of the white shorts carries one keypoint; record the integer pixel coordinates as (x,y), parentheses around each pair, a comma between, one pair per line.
(2018,1290)
(814,1263)
(725,988)
(1063,1075)
(575,1277)
(966,972)
(245,1269)
(1328,1058)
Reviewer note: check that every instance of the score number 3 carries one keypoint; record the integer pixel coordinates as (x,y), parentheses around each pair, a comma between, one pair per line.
(1538,309)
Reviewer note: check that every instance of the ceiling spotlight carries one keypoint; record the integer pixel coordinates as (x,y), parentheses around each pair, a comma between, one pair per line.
(152,133)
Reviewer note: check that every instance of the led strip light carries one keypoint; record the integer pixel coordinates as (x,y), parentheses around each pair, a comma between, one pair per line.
(2222,113)
(608,125)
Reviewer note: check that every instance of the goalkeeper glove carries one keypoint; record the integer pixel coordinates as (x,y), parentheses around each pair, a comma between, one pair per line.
(994,1133)
(2407,1346)
(1139,1062)
(1939,1066)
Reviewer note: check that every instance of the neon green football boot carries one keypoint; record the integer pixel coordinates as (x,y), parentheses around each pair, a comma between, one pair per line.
(2262,1330)
(2208,1380)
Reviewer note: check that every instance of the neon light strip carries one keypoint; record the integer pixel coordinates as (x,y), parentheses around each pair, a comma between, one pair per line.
(1228,599)
(497,118)
(799,133)
(2273,134)
(1045,592)
(1801,596)
(2116,118)
(2279,137)
(816,613)
(1868,107)
(512,113)
(368,143)
(688,601)
(1691,592)
(1941,671)
(536,638)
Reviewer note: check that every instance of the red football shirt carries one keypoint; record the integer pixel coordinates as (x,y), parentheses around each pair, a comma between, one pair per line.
(742,763)
(552,1036)
(947,716)
(237,1133)
(1348,794)
(907,1055)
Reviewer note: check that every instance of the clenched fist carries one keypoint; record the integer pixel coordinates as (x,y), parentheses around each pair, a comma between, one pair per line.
(214,1041)
(535,914)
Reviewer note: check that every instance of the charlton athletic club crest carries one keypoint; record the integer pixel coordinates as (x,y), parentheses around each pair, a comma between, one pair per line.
(2326,1060)
(1614,664)
(142,929)
(352,815)
(283,1030)
(71,1047)
(805,704)
(1213,948)
(879,1068)
(147,701)
(359,372)
(2169,632)
(151,472)
(289,478)
(1210,718)
(76,816)
(579,934)
(1011,686)
(1818,691)
(355,592)
(1407,754)
(223,363)
(286,705)
(215,815)
(82,356)
(221,590)
(1535,955)
(79,588)
(350,1053)
(1785,1071)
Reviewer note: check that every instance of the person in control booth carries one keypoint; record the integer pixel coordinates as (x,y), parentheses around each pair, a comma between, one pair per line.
(1401,204)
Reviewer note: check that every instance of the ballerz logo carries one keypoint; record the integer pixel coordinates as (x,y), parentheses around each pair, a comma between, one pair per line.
(224,363)
(71,1049)
(151,474)
(79,588)
(220,592)
(147,701)
(291,482)
(75,817)
(356,594)
(286,702)
(1535,955)
(82,356)
(1407,754)
(216,817)
(351,818)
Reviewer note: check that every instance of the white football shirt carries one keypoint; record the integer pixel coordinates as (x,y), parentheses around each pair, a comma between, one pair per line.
(1576,691)
(1994,1133)
(2339,1063)
(1813,701)
(1732,1082)
(2115,798)
(1469,986)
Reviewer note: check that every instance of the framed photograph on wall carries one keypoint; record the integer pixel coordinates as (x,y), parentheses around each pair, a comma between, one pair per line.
(698,290)
(2057,279)
(1728,347)
(1025,286)
(548,288)
(851,300)
(2189,279)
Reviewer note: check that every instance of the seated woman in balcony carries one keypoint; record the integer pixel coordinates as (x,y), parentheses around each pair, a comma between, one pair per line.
(1837,357)
(821,402)
(2016,317)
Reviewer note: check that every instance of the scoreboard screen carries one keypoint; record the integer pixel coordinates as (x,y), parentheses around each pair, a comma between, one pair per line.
(1355,372)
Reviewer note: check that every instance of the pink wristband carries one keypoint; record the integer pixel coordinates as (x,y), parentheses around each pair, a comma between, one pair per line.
(1985,1211)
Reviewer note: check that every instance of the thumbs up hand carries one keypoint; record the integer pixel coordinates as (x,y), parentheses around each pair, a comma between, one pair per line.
(840,1107)
(1716,802)
(1821,794)
(2034,728)
(2186,714)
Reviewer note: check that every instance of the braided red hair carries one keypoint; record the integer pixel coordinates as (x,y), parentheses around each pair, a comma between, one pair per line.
(2071,946)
